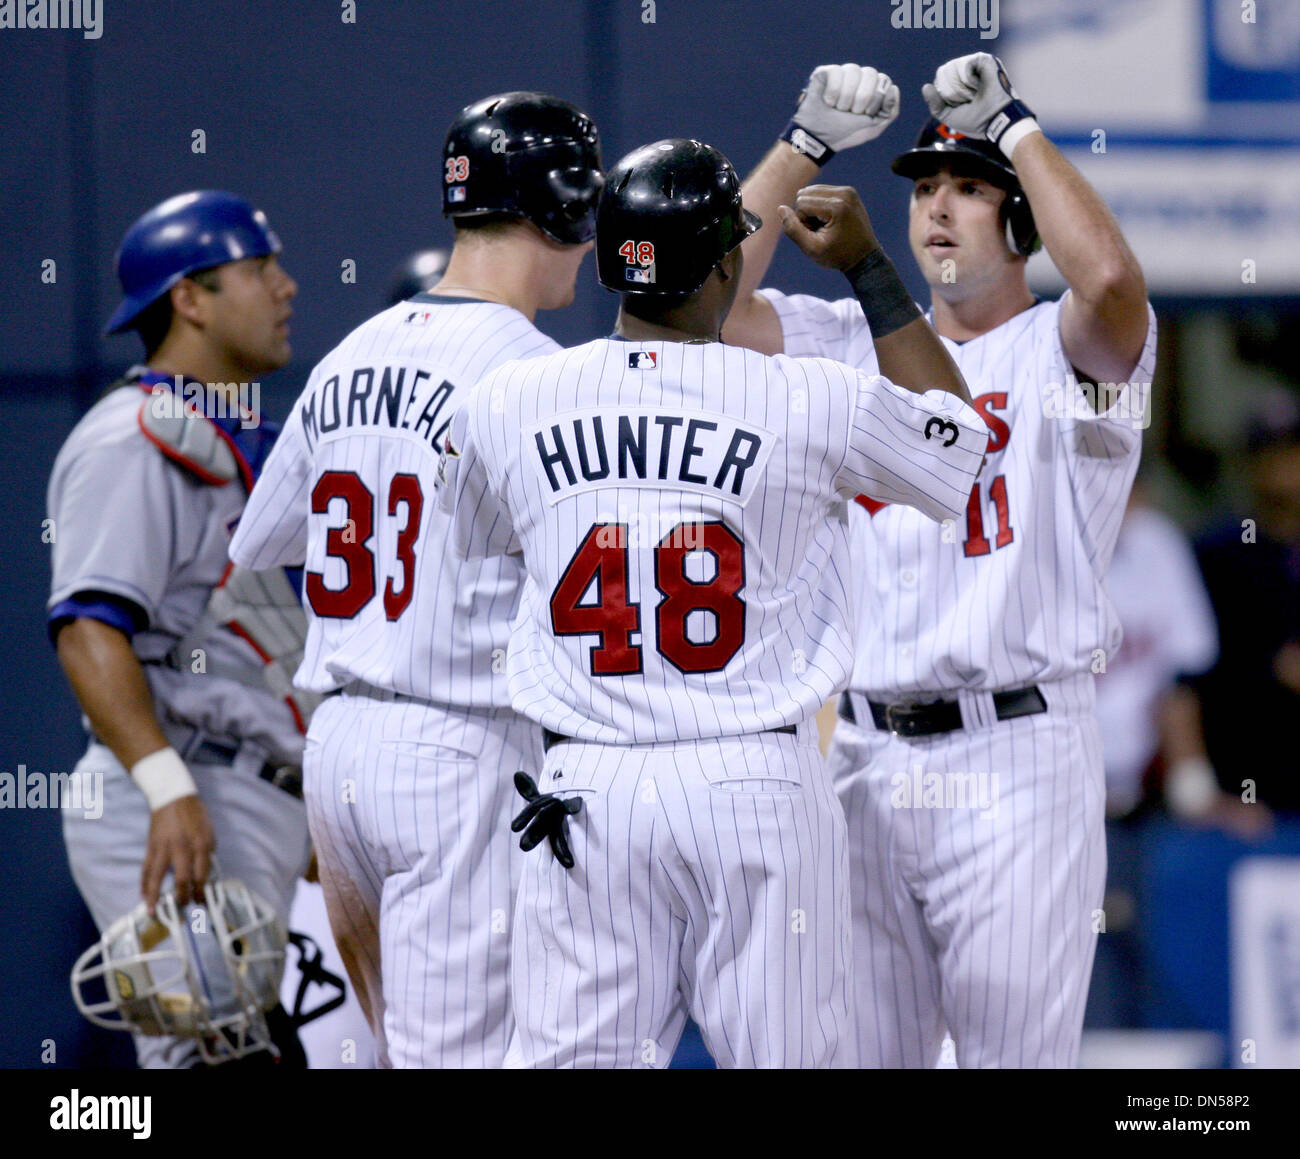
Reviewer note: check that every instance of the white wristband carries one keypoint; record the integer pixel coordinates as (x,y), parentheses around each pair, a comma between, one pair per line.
(1017,133)
(163,778)
(1191,786)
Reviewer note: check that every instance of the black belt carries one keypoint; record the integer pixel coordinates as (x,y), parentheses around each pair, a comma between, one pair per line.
(910,720)
(210,752)
(285,777)
(551,739)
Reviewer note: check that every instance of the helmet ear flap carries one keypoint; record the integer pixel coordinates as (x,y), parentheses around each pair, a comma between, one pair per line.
(1018,220)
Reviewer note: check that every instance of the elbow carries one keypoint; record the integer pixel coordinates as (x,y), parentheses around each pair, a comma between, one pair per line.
(1119,284)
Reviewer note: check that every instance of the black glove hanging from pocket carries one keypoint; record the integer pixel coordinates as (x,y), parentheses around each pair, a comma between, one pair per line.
(544,816)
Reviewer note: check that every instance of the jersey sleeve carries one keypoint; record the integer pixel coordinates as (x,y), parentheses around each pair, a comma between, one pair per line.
(923,450)
(814,328)
(1114,431)
(272,530)
(480,520)
(114,509)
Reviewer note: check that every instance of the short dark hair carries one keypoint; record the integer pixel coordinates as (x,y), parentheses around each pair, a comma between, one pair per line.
(653,307)
(155,320)
(485,223)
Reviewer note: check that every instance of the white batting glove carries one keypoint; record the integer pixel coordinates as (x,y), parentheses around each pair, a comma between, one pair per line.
(974,95)
(842,105)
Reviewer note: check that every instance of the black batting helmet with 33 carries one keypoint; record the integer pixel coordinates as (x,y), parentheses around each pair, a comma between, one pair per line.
(528,155)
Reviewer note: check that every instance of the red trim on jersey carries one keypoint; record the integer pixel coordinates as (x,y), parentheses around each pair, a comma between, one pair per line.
(299,723)
(242,633)
(872,505)
(297,716)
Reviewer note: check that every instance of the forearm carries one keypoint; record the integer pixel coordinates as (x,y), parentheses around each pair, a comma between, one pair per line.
(1181,733)
(110,686)
(910,353)
(1078,230)
(776,181)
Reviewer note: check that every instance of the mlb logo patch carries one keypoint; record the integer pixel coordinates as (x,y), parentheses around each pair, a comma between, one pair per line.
(456,193)
(419,318)
(642,360)
(644,276)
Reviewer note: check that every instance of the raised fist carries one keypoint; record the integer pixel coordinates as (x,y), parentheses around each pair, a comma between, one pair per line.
(841,106)
(973,95)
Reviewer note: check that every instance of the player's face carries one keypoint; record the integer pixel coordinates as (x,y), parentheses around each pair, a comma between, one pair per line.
(247,317)
(955,229)
(559,288)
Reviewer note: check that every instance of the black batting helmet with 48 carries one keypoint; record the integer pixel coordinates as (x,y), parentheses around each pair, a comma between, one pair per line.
(669,214)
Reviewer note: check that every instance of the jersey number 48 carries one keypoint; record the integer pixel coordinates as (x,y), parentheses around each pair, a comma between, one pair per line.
(602,560)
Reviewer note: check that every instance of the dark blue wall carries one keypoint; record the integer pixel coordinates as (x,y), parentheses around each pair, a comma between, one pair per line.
(335,130)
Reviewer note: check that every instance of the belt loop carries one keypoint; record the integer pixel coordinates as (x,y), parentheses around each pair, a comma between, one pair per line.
(977,710)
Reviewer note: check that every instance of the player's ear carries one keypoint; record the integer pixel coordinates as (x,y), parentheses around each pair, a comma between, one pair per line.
(189,296)
(732,264)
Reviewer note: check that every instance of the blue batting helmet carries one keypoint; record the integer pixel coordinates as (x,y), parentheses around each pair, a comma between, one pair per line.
(185,234)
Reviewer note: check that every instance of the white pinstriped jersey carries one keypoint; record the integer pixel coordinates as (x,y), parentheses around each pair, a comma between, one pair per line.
(677,505)
(349,488)
(1013,591)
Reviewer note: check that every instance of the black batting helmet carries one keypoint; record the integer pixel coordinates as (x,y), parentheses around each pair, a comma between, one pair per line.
(939,145)
(524,154)
(670,212)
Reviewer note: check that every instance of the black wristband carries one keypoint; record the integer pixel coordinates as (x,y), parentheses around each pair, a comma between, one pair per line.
(802,141)
(881,293)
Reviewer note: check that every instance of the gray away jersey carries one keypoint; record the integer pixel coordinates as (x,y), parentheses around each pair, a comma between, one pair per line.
(681,512)
(1013,591)
(131,523)
(349,488)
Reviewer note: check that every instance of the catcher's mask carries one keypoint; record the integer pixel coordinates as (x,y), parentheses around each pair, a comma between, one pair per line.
(208,973)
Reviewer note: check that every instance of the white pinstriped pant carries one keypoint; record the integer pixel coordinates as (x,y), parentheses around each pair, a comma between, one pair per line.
(710,877)
(981,918)
(409,806)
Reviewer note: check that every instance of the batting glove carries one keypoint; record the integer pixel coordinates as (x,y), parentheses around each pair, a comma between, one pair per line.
(842,105)
(974,95)
(544,816)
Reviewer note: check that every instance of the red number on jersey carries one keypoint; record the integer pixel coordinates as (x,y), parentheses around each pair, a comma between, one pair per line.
(602,558)
(404,489)
(976,542)
(348,543)
(684,595)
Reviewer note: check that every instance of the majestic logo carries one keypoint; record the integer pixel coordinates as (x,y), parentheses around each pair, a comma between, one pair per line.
(419,318)
(642,360)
